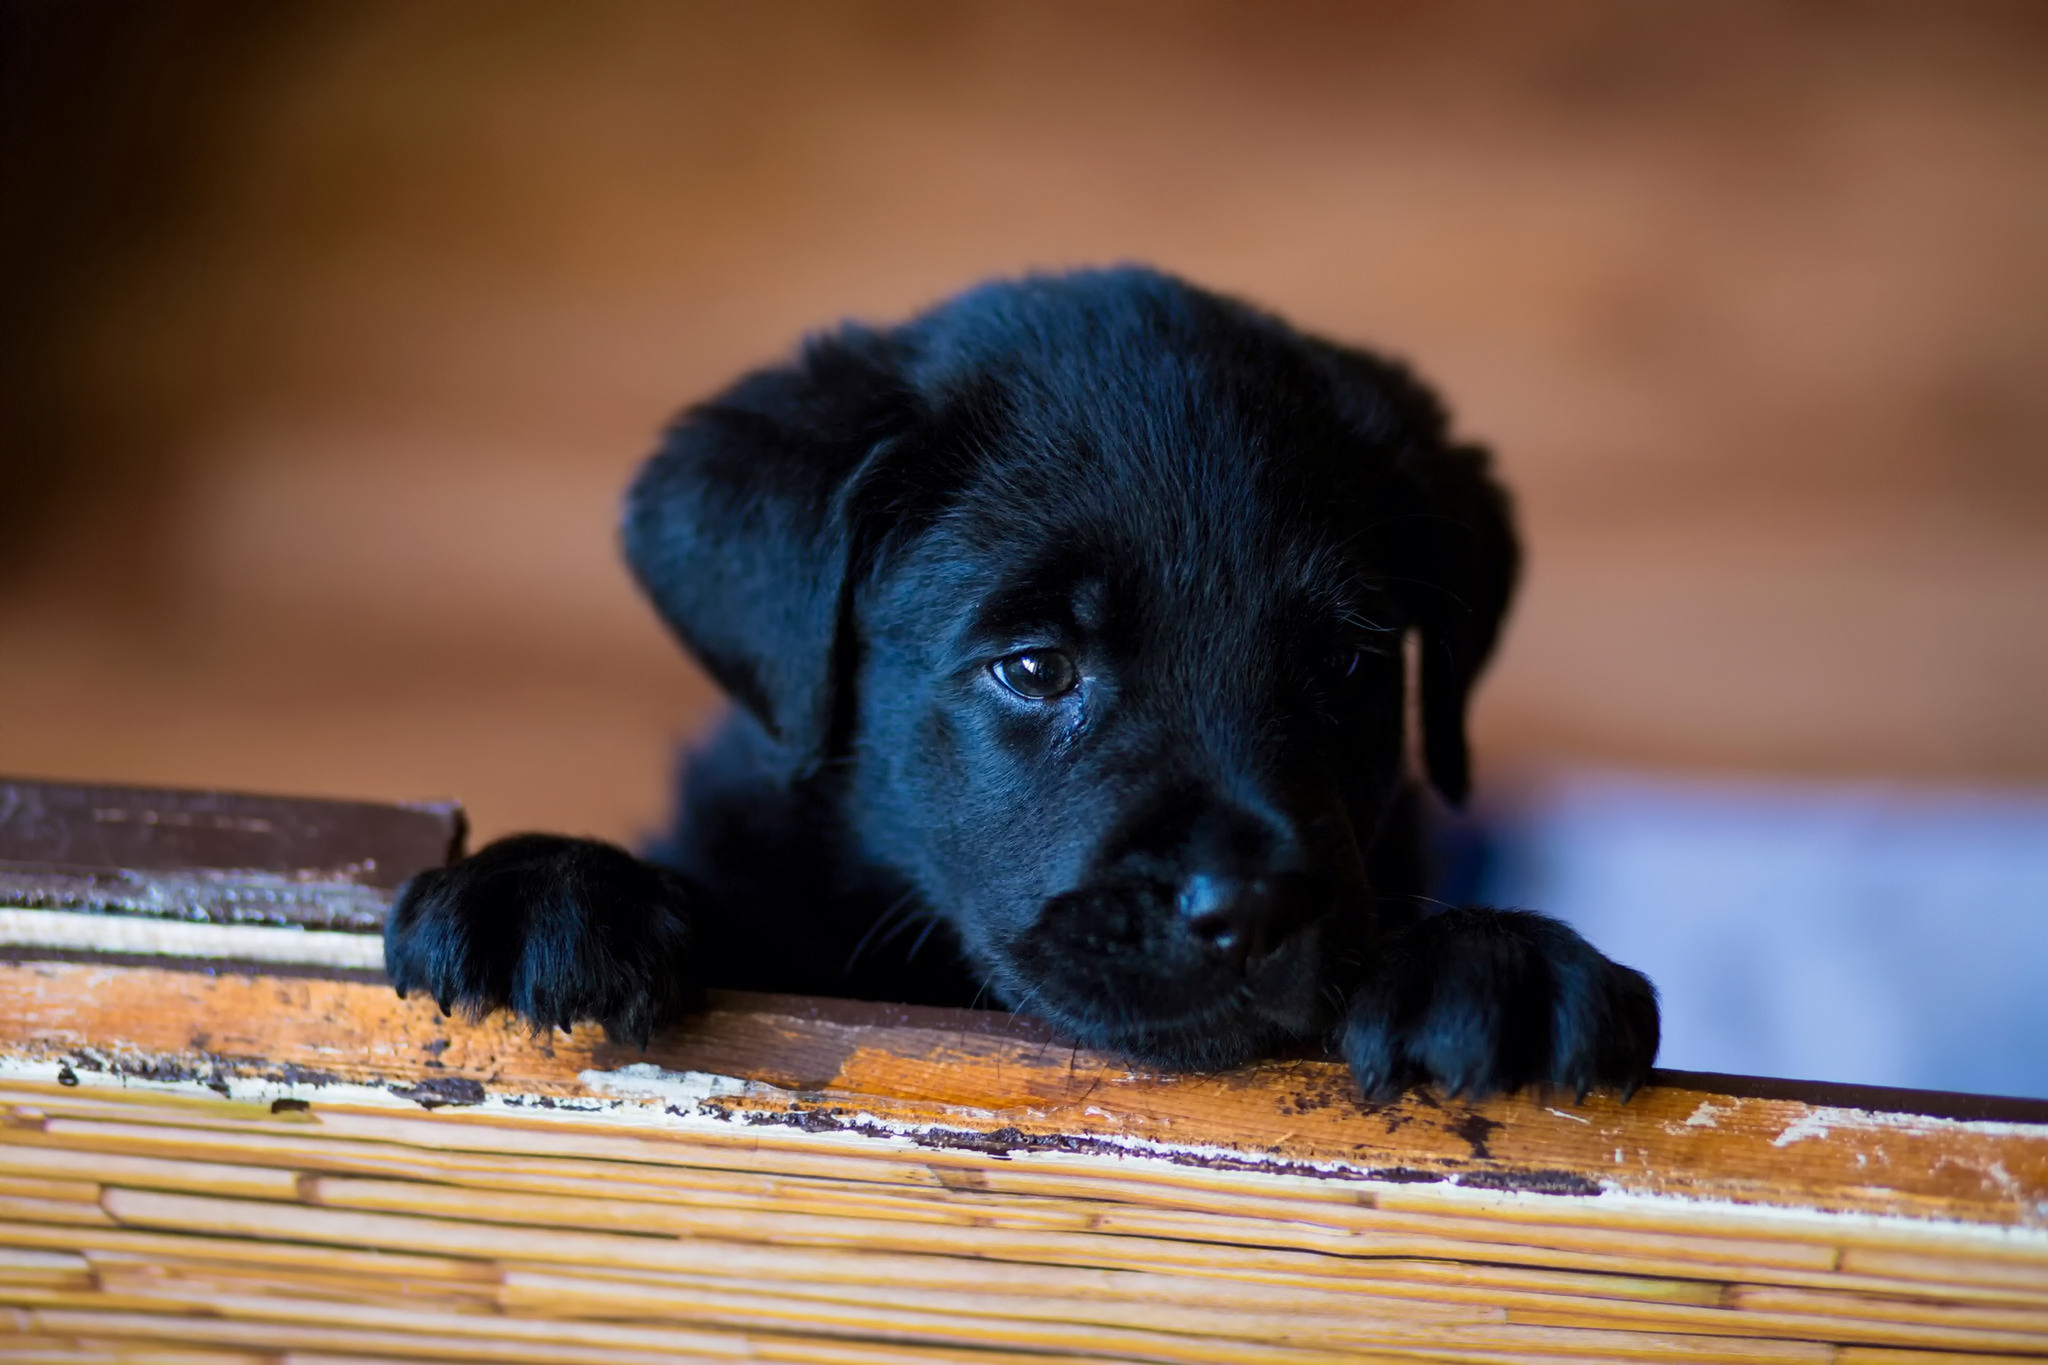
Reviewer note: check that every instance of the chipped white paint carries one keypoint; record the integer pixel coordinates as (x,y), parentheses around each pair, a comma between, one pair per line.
(142,936)
(1703,1117)
(1808,1125)
(1820,1120)
(645,1081)
(242,1090)
(1575,1118)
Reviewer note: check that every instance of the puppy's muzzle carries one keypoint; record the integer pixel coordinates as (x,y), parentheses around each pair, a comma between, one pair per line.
(1164,952)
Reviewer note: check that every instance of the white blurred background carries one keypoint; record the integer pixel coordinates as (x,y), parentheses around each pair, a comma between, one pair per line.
(1880,933)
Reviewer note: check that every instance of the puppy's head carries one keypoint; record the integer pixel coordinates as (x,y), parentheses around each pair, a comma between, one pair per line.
(1091,594)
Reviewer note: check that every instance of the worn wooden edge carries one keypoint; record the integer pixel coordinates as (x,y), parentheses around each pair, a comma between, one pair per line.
(220,855)
(1941,1104)
(763,1071)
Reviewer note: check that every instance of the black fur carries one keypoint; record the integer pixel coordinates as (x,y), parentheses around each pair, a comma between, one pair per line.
(1207,850)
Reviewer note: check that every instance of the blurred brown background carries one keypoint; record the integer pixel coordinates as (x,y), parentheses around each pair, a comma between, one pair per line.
(329,334)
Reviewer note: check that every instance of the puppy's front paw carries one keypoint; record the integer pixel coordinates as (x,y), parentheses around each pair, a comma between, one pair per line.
(553,929)
(1485,1001)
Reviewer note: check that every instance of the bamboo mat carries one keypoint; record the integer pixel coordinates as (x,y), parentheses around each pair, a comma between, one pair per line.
(229,1167)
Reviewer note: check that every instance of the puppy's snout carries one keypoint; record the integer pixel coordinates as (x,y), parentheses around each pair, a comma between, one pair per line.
(1232,917)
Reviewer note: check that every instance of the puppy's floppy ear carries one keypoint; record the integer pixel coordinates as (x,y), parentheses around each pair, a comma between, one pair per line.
(1457,551)
(1443,533)
(740,528)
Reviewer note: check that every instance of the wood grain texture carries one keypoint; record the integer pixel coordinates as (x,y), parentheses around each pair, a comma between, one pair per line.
(245,1167)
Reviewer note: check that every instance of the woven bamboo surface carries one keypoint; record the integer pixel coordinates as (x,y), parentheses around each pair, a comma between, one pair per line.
(223,1167)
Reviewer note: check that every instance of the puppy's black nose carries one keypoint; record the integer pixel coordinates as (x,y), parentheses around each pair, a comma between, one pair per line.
(1232,917)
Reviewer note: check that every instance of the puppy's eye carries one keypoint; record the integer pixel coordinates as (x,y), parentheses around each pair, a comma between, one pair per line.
(1039,674)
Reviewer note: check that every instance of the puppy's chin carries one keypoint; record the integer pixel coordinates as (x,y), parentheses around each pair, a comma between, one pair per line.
(1124,981)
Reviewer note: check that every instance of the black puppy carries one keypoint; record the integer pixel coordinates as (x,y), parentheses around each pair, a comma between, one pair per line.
(1067,621)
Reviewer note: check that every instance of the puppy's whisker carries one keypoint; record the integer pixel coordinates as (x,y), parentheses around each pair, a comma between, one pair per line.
(1023,1006)
(1359,622)
(1416,898)
(1441,589)
(893,912)
(931,923)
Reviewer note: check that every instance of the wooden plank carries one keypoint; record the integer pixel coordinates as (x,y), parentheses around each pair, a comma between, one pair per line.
(246,1163)
(83,828)
(972,1083)
(169,857)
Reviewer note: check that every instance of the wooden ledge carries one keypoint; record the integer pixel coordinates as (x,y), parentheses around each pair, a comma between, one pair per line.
(267,1168)
(999,1085)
